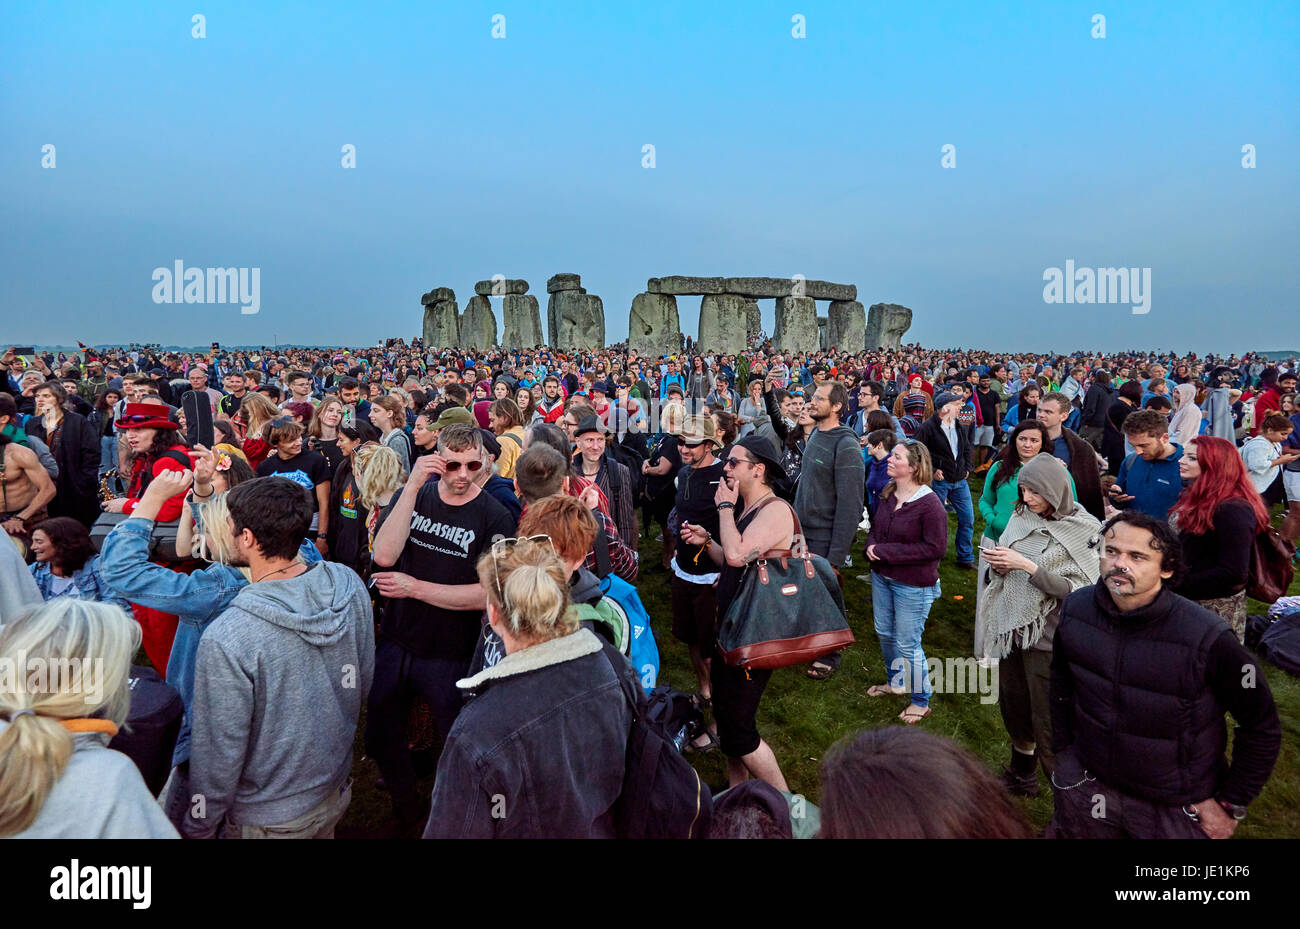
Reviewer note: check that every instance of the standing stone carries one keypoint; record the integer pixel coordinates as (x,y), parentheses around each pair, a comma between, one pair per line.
(441,325)
(822,341)
(796,324)
(578,318)
(478,326)
(847,326)
(886,323)
(523,320)
(653,326)
(723,323)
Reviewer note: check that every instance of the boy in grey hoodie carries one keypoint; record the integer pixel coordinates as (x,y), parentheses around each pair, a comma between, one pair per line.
(281,677)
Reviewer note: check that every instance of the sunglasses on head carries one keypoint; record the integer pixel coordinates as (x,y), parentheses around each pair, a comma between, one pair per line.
(136,419)
(501,546)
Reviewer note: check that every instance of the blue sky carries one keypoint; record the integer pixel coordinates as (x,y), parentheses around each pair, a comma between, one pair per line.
(774,156)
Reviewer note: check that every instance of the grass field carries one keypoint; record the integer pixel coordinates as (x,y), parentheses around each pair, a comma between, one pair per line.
(800,718)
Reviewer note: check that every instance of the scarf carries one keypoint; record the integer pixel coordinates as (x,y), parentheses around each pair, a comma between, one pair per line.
(1010,604)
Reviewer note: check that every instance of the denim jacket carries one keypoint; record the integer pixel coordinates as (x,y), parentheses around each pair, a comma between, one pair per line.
(553,714)
(196,599)
(87,579)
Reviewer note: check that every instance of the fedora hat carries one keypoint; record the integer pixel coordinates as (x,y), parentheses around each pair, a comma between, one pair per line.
(697,430)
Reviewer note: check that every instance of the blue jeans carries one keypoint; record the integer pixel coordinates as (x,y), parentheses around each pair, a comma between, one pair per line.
(958,492)
(900,614)
(108,457)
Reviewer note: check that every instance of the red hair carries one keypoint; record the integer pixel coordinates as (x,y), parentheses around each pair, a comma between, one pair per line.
(1223,477)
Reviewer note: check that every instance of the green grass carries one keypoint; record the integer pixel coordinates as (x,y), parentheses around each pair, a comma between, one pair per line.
(800,718)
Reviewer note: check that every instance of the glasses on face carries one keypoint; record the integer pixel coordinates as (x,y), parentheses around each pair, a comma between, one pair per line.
(454,466)
(732,461)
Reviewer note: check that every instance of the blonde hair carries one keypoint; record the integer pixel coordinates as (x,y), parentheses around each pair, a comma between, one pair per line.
(533,596)
(378,471)
(34,749)
(672,417)
(256,411)
(213,523)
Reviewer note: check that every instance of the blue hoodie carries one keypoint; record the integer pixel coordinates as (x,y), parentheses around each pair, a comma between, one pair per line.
(1155,485)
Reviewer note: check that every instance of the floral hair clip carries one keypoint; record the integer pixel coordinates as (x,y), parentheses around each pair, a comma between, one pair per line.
(223,462)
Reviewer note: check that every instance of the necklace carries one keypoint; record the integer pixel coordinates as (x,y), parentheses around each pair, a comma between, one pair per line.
(280,571)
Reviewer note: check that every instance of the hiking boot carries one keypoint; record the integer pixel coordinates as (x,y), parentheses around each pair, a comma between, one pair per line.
(1020,786)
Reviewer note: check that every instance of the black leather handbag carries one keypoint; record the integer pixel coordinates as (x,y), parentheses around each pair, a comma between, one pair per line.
(789,610)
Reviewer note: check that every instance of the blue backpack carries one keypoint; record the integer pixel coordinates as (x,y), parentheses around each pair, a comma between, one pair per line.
(638,640)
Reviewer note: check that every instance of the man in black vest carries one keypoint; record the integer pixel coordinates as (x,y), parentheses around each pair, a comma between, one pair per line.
(1141,679)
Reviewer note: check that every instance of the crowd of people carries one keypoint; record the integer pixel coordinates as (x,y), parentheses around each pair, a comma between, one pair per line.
(434,535)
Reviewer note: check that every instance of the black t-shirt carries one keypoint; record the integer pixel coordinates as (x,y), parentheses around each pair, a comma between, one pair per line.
(330,449)
(444,547)
(349,543)
(695,504)
(665,448)
(307,469)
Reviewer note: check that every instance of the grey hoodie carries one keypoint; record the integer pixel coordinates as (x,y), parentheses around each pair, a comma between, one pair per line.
(99,795)
(832,483)
(280,680)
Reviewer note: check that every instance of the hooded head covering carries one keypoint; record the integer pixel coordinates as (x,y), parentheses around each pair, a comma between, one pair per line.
(1046,475)
(1186,421)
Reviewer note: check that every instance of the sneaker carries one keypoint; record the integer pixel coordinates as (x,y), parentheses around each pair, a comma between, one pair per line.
(1026,786)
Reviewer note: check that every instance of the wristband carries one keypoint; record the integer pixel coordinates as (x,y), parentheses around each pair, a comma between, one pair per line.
(726,505)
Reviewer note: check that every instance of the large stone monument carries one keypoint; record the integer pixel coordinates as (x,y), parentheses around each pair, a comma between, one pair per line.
(653,327)
(478,326)
(523,321)
(726,297)
(575,319)
(722,323)
(796,325)
(886,323)
(441,324)
(846,325)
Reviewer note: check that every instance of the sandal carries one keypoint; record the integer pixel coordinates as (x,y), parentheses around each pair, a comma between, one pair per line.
(710,743)
(914,714)
(823,669)
(884,690)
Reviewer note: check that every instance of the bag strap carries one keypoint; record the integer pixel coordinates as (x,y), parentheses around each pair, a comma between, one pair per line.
(604,564)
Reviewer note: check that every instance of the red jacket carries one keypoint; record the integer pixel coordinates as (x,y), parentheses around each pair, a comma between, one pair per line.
(172,508)
(1269,401)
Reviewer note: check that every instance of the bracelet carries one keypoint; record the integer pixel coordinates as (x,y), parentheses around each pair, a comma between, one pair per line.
(726,505)
(207,496)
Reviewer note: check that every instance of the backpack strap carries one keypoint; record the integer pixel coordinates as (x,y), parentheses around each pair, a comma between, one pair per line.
(513,438)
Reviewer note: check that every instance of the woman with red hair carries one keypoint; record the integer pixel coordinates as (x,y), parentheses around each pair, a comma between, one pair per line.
(1217,516)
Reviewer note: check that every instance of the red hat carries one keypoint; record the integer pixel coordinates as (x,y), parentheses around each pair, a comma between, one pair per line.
(145,416)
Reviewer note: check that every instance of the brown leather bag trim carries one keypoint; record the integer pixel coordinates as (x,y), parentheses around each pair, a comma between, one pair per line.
(782,653)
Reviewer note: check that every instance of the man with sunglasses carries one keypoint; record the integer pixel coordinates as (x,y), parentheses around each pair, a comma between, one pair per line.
(694,597)
(432,535)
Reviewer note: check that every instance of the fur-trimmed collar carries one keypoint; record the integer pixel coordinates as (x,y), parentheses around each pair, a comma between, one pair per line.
(557,651)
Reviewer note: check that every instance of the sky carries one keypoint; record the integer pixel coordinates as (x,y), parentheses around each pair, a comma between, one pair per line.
(773,156)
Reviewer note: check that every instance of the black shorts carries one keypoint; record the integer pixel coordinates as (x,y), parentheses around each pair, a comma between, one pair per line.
(695,613)
(735,706)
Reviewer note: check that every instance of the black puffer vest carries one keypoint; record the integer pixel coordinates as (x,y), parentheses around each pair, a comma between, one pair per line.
(1145,719)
